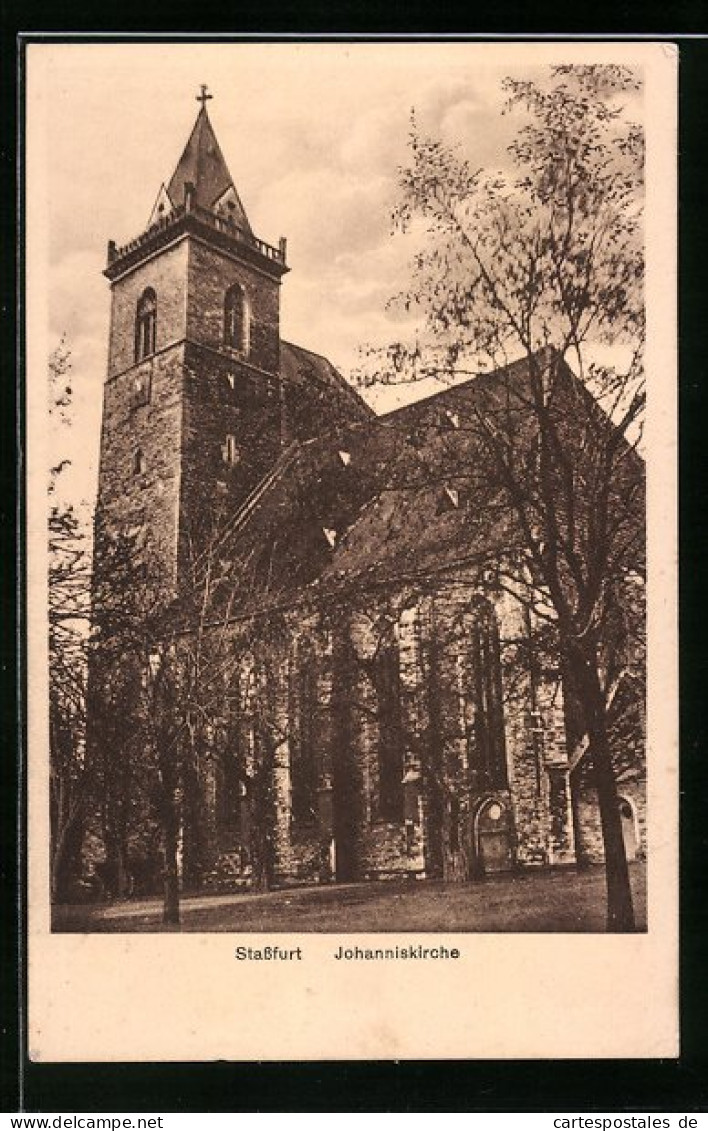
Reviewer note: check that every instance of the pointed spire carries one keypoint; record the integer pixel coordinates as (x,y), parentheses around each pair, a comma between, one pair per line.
(202,165)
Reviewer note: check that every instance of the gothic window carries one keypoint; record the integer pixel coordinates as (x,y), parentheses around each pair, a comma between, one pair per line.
(145,324)
(229,789)
(249,737)
(387,684)
(139,463)
(304,765)
(236,769)
(237,319)
(487,747)
(233,769)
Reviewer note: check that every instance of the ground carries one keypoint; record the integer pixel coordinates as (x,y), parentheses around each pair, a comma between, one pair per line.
(561,900)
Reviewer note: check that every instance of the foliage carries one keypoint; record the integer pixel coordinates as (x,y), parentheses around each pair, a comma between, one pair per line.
(544,264)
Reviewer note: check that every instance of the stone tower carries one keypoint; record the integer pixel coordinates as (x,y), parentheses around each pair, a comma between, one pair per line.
(192,413)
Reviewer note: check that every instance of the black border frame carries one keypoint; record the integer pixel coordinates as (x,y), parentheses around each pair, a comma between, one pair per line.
(413,1086)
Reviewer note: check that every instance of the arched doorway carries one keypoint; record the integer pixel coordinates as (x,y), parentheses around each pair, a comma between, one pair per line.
(494,837)
(629,828)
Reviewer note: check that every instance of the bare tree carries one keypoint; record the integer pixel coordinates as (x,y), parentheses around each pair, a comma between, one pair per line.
(68,592)
(168,674)
(545,264)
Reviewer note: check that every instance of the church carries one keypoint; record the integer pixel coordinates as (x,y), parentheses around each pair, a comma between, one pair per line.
(366,692)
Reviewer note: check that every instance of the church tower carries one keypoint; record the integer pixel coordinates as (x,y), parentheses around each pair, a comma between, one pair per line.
(192,413)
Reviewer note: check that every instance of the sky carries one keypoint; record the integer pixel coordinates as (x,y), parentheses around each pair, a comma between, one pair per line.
(313,135)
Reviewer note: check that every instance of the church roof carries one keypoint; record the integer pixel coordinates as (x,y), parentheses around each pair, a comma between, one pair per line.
(313,383)
(376,500)
(437,502)
(381,497)
(202,164)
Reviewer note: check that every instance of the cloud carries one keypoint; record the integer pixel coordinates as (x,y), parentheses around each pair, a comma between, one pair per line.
(327,215)
(313,134)
(376,142)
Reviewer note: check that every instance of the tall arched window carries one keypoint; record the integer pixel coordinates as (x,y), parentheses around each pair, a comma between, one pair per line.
(386,675)
(237,777)
(304,751)
(229,791)
(145,324)
(237,319)
(486,740)
(234,769)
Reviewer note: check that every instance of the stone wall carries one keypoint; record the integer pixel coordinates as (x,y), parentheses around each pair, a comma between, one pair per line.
(210,274)
(631,792)
(166,273)
(224,398)
(142,412)
(437,831)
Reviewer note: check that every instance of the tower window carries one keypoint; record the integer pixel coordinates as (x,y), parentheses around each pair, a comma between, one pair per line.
(139,464)
(237,328)
(145,324)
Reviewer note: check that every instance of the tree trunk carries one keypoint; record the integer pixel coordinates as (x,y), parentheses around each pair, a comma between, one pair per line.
(582,858)
(575,734)
(263,821)
(261,841)
(260,877)
(195,862)
(63,848)
(620,911)
(170,910)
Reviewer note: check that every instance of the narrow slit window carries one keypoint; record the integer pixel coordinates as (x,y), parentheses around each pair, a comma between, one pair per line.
(230,451)
(139,464)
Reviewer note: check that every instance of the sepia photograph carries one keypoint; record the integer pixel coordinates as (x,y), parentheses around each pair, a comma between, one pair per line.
(341,377)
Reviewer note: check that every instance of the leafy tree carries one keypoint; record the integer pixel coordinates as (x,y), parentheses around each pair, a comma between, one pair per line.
(544,264)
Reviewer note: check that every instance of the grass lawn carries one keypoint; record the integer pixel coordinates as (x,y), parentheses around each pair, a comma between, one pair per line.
(560,900)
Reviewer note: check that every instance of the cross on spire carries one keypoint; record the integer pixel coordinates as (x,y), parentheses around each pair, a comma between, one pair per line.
(204,96)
